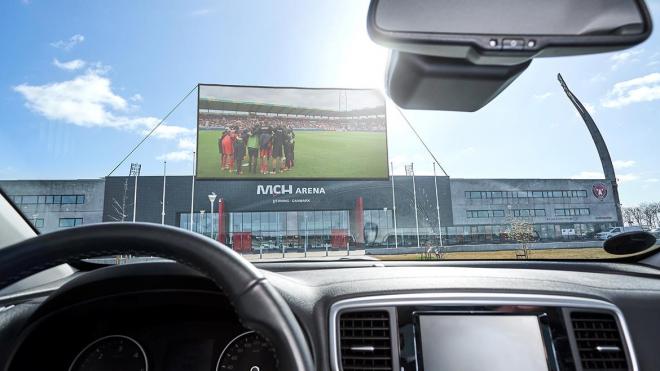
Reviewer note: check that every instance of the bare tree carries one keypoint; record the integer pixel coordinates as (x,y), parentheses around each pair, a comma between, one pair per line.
(628,215)
(637,215)
(648,213)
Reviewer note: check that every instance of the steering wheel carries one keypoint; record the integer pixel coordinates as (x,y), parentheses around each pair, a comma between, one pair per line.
(259,306)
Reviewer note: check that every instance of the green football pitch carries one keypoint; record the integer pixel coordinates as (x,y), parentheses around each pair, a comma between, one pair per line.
(318,154)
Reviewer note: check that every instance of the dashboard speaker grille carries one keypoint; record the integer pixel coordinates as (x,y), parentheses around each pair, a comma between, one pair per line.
(598,341)
(365,341)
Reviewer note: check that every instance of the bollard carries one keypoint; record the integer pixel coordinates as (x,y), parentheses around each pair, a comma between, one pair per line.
(348,251)
(326,250)
(261,251)
(283,251)
(305,250)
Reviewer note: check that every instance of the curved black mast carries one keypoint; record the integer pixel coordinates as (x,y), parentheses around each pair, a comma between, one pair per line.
(603,153)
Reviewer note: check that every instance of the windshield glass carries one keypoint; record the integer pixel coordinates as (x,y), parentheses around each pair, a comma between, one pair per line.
(266,126)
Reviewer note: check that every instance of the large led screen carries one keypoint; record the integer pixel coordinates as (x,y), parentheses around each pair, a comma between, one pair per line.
(249,132)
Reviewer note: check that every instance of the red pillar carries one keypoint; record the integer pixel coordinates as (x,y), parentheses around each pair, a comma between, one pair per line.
(358,217)
(221,221)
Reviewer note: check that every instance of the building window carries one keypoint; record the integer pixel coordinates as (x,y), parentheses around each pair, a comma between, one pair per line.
(48,199)
(68,199)
(572,212)
(484,213)
(529,212)
(38,222)
(70,222)
(525,194)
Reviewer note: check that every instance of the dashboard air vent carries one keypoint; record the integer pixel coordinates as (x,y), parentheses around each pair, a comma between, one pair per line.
(598,341)
(365,341)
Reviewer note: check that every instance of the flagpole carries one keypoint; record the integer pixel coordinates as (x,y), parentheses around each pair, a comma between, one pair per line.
(192,194)
(412,170)
(396,238)
(437,203)
(162,213)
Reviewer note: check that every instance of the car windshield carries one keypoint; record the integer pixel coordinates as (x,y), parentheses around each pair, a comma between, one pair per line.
(266,126)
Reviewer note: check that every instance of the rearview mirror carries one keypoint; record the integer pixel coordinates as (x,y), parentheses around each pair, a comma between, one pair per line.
(508,31)
(489,43)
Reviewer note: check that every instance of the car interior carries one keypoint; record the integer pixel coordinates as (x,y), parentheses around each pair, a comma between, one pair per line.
(202,306)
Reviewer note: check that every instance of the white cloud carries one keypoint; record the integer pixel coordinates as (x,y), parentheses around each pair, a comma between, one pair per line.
(187,143)
(184,153)
(623,164)
(176,156)
(599,77)
(589,175)
(72,65)
(542,97)
(621,58)
(68,44)
(166,131)
(84,100)
(590,108)
(652,180)
(136,98)
(640,89)
(623,178)
(89,101)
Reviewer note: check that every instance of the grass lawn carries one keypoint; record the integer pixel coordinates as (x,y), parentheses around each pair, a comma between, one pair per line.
(318,154)
(581,253)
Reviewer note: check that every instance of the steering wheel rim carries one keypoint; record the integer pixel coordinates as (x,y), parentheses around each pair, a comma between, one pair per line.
(258,305)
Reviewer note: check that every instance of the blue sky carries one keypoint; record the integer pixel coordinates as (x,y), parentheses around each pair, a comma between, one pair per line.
(82,80)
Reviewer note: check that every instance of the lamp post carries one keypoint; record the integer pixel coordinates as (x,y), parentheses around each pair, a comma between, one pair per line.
(212,197)
(201,217)
(135,171)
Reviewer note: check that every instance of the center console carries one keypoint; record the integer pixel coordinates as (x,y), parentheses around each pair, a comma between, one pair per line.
(478,331)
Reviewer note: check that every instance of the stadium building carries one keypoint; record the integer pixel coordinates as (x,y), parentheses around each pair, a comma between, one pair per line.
(54,204)
(332,213)
(329,213)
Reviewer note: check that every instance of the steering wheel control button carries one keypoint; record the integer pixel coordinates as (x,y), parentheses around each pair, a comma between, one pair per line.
(513,44)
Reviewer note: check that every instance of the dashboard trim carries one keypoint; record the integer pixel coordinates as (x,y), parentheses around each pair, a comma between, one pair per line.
(469,298)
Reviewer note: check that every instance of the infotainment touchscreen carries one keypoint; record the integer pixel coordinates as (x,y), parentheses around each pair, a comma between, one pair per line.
(468,342)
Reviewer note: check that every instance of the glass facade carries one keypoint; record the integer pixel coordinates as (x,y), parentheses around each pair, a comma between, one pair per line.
(48,199)
(332,229)
(525,194)
(70,222)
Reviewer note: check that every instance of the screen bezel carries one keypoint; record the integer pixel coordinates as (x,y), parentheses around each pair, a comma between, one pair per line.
(544,328)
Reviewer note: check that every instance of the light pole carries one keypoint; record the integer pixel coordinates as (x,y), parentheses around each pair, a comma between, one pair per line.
(162,212)
(135,171)
(201,217)
(212,197)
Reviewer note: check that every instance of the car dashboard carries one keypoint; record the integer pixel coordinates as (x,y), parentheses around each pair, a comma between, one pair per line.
(356,316)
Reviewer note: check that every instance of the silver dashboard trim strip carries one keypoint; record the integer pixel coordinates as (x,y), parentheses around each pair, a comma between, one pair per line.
(464,298)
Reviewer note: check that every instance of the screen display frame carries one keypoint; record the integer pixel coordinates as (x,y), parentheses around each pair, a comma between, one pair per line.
(544,328)
(288,180)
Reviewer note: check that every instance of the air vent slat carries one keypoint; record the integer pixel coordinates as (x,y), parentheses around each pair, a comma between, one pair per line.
(593,331)
(365,329)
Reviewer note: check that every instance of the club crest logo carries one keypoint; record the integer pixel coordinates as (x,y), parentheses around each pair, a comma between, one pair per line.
(600,191)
